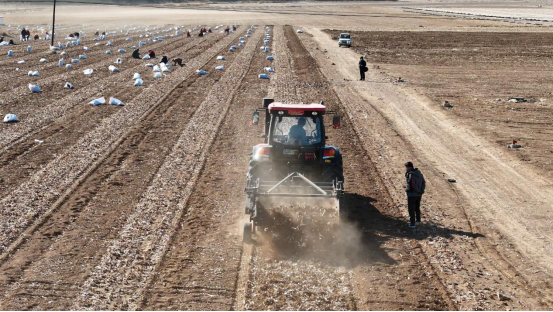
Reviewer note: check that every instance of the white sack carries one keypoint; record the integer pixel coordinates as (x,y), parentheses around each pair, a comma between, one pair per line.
(34,88)
(116,102)
(10,118)
(97,102)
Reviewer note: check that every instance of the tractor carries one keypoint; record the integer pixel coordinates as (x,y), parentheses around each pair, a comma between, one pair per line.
(294,162)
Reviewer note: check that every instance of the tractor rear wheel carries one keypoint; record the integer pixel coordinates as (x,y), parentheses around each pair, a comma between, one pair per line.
(334,172)
(257,170)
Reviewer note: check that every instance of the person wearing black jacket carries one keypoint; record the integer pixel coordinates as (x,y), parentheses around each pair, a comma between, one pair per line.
(362,65)
(415,189)
(178,61)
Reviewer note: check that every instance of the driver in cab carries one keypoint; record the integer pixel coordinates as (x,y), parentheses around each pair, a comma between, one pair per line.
(297,133)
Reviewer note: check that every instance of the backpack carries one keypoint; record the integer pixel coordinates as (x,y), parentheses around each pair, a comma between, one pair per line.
(418,183)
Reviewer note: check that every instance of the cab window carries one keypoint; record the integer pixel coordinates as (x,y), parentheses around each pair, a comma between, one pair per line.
(296,131)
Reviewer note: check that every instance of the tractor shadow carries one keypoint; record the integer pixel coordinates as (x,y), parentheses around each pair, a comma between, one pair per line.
(363,236)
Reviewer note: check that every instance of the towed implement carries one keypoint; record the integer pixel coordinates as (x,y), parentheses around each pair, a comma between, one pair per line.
(294,162)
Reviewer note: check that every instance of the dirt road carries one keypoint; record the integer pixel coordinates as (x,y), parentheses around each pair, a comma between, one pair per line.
(436,142)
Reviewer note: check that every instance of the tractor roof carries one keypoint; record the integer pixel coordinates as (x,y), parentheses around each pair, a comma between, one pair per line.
(314,107)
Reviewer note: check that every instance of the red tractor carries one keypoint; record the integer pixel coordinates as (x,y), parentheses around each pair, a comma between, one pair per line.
(294,161)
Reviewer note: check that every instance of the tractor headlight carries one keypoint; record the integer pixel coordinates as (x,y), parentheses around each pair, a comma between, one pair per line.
(315,113)
(281,112)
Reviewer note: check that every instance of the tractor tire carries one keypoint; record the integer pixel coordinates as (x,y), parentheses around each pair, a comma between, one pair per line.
(334,172)
(257,170)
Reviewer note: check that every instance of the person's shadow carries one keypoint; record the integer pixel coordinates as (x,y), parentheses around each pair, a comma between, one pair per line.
(304,232)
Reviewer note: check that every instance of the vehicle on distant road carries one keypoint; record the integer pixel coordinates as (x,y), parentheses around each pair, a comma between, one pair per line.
(344,40)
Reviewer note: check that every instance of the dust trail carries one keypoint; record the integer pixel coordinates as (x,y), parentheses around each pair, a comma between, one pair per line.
(304,257)
(311,230)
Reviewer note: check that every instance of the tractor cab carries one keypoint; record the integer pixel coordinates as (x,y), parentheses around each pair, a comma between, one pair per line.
(295,125)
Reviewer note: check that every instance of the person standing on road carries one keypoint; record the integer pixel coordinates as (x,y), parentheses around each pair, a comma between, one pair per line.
(415,189)
(362,65)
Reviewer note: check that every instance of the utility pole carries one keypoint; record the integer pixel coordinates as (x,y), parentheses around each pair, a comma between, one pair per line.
(53,23)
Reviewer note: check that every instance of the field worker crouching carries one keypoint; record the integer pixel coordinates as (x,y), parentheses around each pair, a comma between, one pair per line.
(136,54)
(415,189)
(178,61)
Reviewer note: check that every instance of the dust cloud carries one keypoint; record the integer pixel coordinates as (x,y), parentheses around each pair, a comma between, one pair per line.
(310,229)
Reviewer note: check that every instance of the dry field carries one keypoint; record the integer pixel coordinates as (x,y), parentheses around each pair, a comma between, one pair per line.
(139,207)
(477,73)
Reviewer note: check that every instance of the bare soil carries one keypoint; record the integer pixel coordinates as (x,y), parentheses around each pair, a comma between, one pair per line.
(477,73)
(140,207)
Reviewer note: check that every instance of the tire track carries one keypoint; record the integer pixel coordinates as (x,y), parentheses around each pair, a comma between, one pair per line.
(86,222)
(135,255)
(45,189)
(200,268)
